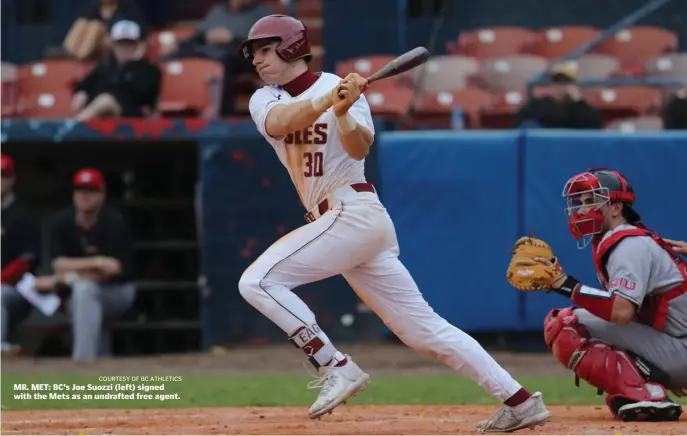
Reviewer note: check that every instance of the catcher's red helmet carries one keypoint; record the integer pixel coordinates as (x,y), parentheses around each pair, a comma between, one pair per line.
(291,33)
(607,186)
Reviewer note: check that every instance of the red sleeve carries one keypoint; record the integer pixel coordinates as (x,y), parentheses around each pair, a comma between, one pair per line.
(13,272)
(597,301)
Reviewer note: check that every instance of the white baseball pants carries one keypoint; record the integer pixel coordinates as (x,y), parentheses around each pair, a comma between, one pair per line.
(356,238)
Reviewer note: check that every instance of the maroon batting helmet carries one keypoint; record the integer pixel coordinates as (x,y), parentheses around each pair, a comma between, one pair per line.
(291,33)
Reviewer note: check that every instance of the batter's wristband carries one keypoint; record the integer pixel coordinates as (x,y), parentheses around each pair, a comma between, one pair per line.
(346,123)
(322,103)
(568,287)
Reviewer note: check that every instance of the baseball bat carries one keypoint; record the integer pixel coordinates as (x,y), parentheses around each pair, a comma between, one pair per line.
(405,62)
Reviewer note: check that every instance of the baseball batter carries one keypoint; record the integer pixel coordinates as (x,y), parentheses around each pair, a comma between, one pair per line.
(628,339)
(321,129)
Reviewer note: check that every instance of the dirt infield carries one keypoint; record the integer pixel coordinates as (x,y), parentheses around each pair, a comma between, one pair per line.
(588,420)
(280,420)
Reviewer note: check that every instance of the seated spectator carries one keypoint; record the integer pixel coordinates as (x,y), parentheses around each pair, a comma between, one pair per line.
(92,253)
(124,85)
(564,107)
(87,39)
(675,112)
(20,253)
(218,36)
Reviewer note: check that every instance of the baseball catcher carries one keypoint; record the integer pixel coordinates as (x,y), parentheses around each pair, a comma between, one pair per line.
(628,339)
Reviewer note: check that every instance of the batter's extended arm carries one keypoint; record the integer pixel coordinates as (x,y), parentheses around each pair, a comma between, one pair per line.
(287,118)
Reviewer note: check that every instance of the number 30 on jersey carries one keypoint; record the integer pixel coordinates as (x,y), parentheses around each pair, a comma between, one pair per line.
(314,164)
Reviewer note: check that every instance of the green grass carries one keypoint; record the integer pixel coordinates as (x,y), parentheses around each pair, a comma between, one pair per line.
(279,390)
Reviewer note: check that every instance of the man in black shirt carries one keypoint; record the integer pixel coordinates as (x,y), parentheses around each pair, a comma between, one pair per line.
(92,252)
(124,85)
(20,250)
(564,107)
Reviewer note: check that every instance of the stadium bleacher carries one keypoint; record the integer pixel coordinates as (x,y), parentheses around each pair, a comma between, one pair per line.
(484,70)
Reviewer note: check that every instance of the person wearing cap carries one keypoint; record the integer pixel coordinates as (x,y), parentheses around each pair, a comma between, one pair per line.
(92,253)
(123,85)
(564,106)
(20,252)
(88,39)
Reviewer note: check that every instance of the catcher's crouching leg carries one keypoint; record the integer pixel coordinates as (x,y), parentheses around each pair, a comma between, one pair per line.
(629,395)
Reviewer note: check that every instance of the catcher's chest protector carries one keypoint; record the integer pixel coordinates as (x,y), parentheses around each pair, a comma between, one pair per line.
(654,308)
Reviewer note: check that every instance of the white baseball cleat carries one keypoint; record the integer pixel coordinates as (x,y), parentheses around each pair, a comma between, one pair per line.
(338,384)
(531,413)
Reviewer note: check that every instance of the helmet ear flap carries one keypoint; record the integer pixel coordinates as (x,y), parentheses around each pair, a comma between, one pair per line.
(294,47)
(290,31)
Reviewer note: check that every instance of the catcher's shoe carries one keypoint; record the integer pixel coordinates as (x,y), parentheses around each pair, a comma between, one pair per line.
(338,384)
(531,413)
(650,411)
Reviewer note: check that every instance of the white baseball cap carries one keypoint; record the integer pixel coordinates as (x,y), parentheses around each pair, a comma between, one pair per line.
(125,29)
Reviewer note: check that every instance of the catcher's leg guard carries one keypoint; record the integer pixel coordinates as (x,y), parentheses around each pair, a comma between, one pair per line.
(608,369)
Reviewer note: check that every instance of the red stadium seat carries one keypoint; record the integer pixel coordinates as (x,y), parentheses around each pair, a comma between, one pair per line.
(389,102)
(636,44)
(636,124)
(51,75)
(624,101)
(316,61)
(366,65)
(191,87)
(46,105)
(500,114)
(314,26)
(309,8)
(279,7)
(10,88)
(669,66)
(597,66)
(363,65)
(509,73)
(434,108)
(446,73)
(556,42)
(492,42)
(593,66)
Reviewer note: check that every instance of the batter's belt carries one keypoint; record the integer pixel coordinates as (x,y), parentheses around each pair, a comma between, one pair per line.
(323,206)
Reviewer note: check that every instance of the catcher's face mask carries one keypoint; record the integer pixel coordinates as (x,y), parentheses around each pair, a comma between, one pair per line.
(588,197)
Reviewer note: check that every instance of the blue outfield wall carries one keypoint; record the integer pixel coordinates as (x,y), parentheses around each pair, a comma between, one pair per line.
(459,201)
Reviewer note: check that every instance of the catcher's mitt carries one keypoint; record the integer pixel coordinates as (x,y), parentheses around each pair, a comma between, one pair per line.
(527,274)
